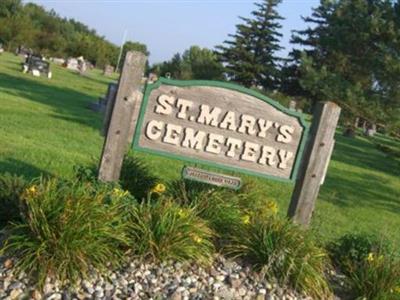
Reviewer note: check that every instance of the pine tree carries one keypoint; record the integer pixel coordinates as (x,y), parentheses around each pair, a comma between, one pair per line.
(250,56)
(352,56)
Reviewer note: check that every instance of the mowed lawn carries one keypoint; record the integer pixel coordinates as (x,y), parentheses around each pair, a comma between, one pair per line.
(46,128)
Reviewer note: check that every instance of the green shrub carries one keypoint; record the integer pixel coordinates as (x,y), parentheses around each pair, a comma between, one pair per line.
(11,189)
(284,252)
(67,228)
(163,230)
(136,177)
(85,173)
(371,267)
(352,249)
(219,207)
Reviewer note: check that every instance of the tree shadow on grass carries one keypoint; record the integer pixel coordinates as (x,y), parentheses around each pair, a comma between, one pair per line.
(348,186)
(391,142)
(362,153)
(352,189)
(102,80)
(68,104)
(14,166)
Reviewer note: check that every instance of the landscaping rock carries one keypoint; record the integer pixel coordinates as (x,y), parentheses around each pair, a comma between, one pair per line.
(225,279)
(8,264)
(14,294)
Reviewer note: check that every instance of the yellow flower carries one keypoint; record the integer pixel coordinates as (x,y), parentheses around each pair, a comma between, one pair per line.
(182,213)
(397,289)
(370,257)
(31,191)
(197,239)
(272,206)
(159,188)
(246,219)
(120,193)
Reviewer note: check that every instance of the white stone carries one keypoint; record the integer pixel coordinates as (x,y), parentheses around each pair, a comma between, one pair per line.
(55,296)
(216,285)
(242,292)
(262,291)
(15,294)
(48,288)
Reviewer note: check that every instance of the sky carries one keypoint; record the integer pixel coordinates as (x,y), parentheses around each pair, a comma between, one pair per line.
(171,26)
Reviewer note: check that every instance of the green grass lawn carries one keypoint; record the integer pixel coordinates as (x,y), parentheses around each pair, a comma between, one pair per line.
(45,127)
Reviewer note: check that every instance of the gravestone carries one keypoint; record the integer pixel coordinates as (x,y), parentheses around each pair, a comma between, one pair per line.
(58,61)
(23,52)
(82,66)
(37,66)
(108,70)
(371,130)
(72,64)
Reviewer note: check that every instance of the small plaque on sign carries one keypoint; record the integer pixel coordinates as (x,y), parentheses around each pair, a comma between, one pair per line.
(211,178)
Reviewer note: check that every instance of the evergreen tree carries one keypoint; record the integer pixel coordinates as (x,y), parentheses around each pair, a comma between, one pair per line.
(250,56)
(352,56)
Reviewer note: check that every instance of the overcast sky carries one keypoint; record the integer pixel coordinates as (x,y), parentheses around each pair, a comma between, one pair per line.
(170,26)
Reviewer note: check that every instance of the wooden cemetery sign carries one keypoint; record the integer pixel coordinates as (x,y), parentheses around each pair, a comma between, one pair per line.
(221,125)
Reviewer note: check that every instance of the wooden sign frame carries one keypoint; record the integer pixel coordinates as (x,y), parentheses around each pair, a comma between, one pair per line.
(205,83)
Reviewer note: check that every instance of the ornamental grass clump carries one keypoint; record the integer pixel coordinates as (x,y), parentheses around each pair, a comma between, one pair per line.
(376,278)
(371,266)
(137,178)
(218,206)
(283,252)
(163,230)
(11,189)
(66,229)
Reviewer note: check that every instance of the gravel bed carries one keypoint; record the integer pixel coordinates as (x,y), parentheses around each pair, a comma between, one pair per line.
(225,279)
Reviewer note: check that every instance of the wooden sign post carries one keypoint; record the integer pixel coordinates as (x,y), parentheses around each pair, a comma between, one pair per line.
(111,93)
(116,141)
(315,162)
